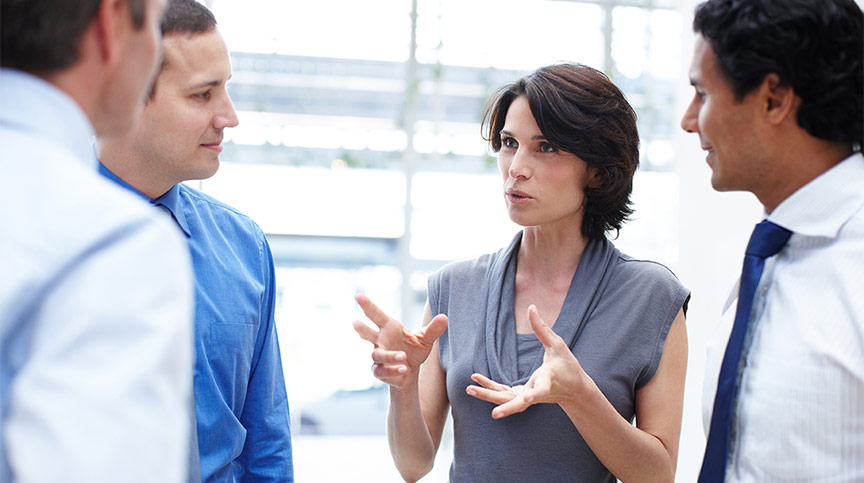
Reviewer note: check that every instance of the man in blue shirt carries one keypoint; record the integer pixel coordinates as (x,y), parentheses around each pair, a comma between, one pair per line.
(240,400)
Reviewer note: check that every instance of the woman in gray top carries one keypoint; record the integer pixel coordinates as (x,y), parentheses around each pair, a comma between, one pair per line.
(615,349)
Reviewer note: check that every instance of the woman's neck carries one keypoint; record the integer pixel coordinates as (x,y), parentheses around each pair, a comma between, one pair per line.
(551,253)
(547,262)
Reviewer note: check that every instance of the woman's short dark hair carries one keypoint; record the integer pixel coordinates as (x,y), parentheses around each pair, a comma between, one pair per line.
(43,36)
(580,111)
(814,46)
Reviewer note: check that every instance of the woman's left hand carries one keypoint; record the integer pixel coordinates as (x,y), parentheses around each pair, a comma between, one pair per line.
(559,379)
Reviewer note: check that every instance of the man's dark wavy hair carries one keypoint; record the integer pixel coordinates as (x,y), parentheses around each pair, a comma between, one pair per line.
(815,46)
(580,111)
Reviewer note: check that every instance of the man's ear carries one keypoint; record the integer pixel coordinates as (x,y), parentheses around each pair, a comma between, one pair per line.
(780,101)
(111,27)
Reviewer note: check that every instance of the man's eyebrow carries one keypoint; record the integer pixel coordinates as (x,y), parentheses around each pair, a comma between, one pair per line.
(209,83)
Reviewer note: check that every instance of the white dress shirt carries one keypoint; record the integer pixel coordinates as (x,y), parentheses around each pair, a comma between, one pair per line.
(800,409)
(95,308)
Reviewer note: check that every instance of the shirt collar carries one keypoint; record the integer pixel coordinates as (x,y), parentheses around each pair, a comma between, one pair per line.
(170,201)
(34,105)
(822,206)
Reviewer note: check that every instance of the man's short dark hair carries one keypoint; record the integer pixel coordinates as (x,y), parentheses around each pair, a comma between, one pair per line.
(44,36)
(580,111)
(183,17)
(816,47)
(187,17)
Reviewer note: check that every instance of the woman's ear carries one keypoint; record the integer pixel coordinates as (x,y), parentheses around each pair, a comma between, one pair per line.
(595,178)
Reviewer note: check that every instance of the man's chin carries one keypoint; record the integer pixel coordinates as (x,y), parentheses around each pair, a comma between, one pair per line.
(205,172)
(720,184)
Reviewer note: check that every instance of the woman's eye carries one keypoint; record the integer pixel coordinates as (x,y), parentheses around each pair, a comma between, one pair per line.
(509,142)
(203,95)
(547,148)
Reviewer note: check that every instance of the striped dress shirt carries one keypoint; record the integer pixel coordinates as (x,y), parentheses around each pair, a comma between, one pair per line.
(800,411)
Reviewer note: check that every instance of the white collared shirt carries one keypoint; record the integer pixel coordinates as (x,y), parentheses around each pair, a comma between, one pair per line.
(95,308)
(800,409)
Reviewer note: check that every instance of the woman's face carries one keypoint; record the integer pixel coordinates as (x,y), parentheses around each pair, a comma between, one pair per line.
(542,186)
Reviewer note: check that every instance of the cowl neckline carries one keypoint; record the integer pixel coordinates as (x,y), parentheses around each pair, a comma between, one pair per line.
(496,353)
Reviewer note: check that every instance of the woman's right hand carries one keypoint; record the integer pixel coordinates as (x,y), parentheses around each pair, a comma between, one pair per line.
(398,352)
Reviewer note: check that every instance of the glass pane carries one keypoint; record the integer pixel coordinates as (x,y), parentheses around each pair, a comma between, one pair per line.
(666,33)
(322,28)
(509,34)
(629,41)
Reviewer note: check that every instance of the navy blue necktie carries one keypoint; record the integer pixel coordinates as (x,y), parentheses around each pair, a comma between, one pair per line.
(767,239)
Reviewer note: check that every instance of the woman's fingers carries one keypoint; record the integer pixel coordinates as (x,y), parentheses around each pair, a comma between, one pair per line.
(489,395)
(375,314)
(515,405)
(434,329)
(544,333)
(381,356)
(488,383)
(537,389)
(489,390)
(384,371)
(508,400)
(365,332)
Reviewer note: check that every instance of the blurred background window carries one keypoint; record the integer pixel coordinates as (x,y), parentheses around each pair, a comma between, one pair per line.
(359,153)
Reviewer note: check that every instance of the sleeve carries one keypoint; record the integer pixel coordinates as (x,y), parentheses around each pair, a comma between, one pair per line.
(459,277)
(433,291)
(663,297)
(267,453)
(105,395)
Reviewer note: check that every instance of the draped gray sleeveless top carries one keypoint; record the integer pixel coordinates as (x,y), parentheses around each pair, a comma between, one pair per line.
(615,318)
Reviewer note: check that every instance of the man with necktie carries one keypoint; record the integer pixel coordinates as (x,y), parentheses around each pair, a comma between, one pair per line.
(779,108)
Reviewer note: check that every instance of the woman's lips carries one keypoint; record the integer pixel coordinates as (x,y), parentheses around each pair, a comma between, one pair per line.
(518,197)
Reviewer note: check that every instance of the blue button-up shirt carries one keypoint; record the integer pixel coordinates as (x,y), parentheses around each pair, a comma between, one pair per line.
(240,400)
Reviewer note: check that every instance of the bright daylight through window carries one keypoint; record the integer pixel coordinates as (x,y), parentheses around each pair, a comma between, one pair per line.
(359,153)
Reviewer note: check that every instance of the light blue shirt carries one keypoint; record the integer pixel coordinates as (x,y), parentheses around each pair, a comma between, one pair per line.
(240,399)
(95,342)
